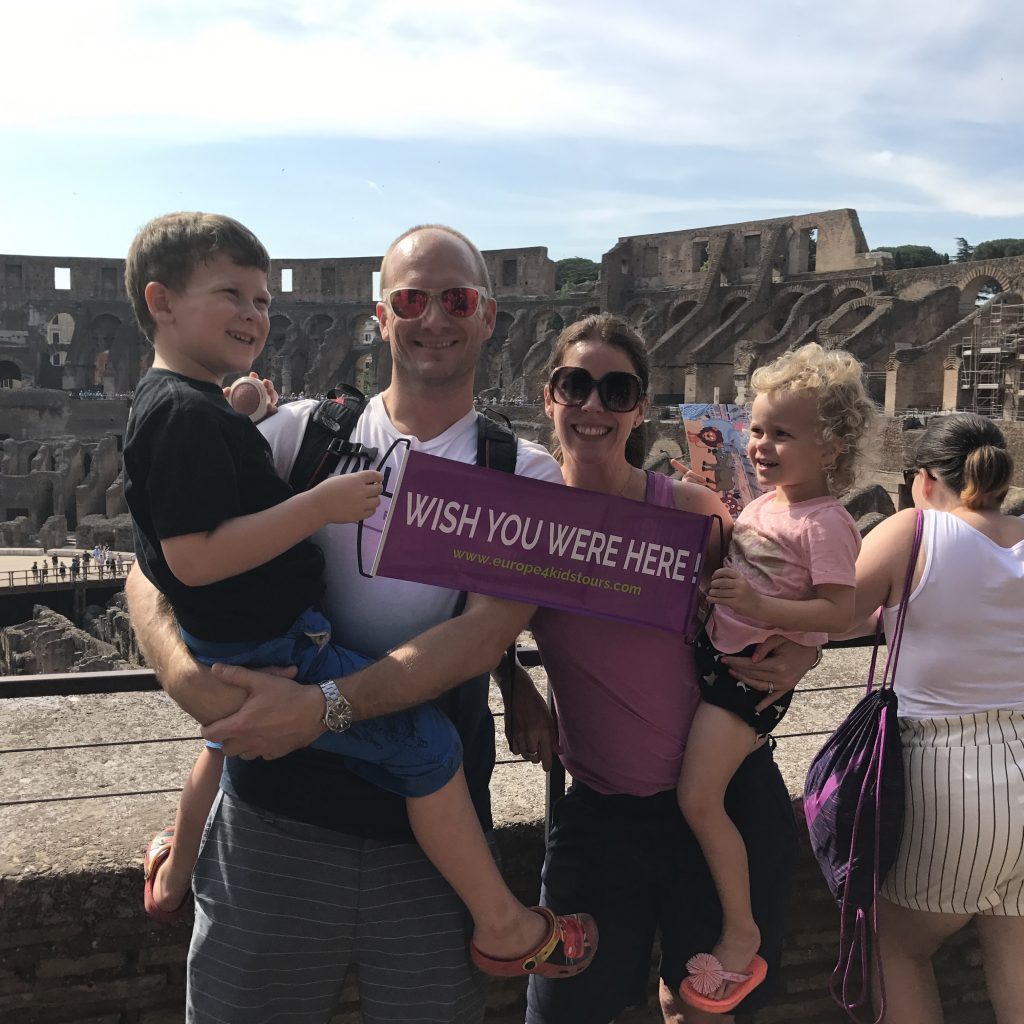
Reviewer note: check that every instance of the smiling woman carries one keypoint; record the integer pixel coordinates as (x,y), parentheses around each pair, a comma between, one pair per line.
(625,696)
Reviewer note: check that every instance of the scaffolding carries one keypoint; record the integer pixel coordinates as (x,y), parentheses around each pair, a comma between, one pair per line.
(991,364)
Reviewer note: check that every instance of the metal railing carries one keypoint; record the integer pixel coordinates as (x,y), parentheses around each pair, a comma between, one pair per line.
(142,680)
(50,575)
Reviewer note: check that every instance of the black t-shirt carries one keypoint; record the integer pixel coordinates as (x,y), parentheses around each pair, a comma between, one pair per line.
(190,463)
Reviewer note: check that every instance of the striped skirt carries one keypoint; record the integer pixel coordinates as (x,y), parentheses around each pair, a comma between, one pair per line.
(962,850)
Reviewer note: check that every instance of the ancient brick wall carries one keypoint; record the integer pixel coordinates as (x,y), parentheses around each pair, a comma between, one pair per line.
(78,948)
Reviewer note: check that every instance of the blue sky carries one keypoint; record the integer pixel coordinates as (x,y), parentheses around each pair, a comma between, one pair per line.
(330,127)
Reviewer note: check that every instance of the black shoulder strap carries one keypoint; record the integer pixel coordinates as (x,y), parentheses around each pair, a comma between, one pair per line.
(496,443)
(326,439)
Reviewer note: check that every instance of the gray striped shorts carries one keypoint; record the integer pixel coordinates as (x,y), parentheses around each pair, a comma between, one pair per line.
(284,909)
(962,850)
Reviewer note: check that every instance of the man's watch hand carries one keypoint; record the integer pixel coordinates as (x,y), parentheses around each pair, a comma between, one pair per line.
(337,709)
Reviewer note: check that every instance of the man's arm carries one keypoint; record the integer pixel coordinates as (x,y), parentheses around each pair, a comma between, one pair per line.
(421,669)
(190,685)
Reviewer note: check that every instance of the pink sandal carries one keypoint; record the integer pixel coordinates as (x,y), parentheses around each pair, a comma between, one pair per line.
(158,851)
(705,975)
(566,950)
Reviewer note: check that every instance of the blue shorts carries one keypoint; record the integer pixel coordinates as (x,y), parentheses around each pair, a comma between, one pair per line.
(635,865)
(411,753)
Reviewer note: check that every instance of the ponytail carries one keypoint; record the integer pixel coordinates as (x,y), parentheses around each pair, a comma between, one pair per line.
(987,473)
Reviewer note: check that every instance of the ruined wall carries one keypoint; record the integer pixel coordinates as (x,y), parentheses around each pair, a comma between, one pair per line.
(50,643)
(77,946)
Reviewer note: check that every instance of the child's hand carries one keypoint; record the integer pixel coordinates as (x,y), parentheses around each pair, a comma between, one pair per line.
(728,587)
(688,476)
(256,411)
(350,497)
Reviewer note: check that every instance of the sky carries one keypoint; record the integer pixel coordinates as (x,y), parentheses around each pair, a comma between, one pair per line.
(329,126)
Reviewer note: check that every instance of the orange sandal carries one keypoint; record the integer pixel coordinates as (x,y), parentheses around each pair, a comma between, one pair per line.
(158,851)
(705,976)
(567,949)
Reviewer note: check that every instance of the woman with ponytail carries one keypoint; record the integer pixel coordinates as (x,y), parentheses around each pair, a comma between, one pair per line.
(961,706)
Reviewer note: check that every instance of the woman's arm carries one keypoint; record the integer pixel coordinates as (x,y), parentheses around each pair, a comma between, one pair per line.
(882,563)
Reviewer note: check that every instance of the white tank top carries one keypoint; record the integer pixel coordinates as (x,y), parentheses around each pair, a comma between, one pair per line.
(963,642)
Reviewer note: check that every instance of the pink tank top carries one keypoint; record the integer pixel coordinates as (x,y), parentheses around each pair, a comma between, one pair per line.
(625,695)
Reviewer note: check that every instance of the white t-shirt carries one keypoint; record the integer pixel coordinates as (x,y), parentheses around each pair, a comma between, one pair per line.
(374,616)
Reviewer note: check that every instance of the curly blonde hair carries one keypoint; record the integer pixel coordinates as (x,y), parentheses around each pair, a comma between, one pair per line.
(846,413)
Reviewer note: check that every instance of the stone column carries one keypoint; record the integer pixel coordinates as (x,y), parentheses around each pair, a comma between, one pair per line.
(950,382)
(892,369)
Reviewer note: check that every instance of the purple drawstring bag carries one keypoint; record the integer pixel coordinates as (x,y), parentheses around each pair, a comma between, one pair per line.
(853,803)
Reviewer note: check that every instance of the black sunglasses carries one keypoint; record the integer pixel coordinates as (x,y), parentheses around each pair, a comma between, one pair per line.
(909,475)
(619,391)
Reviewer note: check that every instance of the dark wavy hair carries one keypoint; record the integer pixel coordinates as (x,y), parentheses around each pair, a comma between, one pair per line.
(613,330)
(968,454)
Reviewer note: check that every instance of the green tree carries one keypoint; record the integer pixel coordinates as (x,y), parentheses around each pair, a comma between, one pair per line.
(964,251)
(997,248)
(906,256)
(574,271)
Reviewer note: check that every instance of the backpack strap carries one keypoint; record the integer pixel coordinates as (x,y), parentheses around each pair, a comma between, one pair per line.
(496,443)
(326,439)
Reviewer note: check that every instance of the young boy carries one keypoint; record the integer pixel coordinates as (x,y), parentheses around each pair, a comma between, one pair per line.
(225,540)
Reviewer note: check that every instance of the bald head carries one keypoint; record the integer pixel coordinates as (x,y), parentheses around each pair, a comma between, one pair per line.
(407,241)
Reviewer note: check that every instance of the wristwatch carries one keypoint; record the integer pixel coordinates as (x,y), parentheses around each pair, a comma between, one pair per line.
(337,710)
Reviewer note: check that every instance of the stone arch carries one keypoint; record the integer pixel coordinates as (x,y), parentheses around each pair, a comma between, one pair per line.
(365,374)
(10,374)
(103,331)
(858,311)
(502,326)
(845,294)
(543,322)
(979,279)
(639,311)
(783,306)
(680,311)
(317,326)
(731,306)
(365,331)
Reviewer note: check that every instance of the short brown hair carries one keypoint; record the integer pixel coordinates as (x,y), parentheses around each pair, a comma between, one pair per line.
(169,248)
(484,277)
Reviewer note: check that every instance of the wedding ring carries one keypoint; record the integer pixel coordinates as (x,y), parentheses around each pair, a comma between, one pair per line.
(771,689)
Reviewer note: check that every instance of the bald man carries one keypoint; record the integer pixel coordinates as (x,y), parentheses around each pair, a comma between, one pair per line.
(306,869)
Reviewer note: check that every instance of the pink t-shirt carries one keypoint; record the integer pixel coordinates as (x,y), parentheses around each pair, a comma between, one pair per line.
(625,695)
(786,551)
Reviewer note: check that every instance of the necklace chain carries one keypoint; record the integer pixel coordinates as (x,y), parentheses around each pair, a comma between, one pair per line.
(629,476)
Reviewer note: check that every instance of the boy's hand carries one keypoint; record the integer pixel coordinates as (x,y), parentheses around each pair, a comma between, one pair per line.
(350,497)
(728,587)
(271,393)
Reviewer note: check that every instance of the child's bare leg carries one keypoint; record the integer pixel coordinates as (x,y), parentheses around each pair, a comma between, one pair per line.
(449,833)
(174,879)
(717,745)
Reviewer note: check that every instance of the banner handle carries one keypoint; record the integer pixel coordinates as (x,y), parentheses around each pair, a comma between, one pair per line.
(385,493)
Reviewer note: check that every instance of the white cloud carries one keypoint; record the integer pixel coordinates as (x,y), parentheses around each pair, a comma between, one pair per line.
(751,76)
(948,188)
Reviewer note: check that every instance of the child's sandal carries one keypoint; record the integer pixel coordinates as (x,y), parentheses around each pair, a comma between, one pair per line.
(157,852)
(566,950)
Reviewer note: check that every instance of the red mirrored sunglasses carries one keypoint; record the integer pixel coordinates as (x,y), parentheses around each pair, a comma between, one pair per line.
(412,303)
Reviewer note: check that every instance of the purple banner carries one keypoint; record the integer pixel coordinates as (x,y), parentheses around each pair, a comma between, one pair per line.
(468,528)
